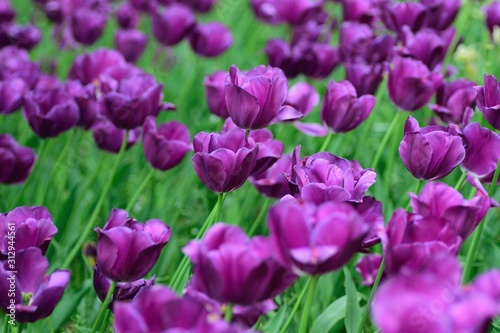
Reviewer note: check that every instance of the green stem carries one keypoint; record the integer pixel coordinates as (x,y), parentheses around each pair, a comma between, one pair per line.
(140,189)
(60,159)
(307,308)
(385,139)
(461,181)
(213,217)
(228,314)
(259,218)
(105,322)
(418,187)
(104,194)
(327,141)
(104,306)
(20,327)
(295,309)
(366,310)
(477,233)
(6,324)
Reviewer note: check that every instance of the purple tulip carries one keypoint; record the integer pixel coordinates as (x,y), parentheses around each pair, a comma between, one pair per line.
(173,24)
(325,177)
(266,11)
(226,249)
(342,110)
(87,25)
(303,97)
(411,84)
(165,146)
(440,14)
(363,11)
(127,249)
(395,15)
(109,138)
(12,92)
(455,102)
(127,16)
(124,292)
(368,268)
(272,182)
(202,6)
(371,211)
(296,12)
(31,227)
(15,63)
(431,152)
(316,240)
(488,100)
(215,93)
(223,162)
(90,108)
(289,58)
(492,12)
(131,43)
(322,59)
(365,78)
(136,97)
(87,67)
(36,295)
(16,162)
(255,98)
(7,14)
(483,152)
(159,309)
(22,36)
(50,113)
(210,39)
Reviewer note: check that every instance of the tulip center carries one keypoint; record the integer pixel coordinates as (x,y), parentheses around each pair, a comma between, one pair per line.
(26,298)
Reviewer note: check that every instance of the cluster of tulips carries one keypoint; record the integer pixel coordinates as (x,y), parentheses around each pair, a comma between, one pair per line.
(324,219)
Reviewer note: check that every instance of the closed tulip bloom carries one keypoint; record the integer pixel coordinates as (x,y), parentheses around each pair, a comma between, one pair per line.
(368,268)
(364,77)
(303,97)
(266,11)
(7,14)
(289,58)
(22,36)
(231,268)
(296,12)
(173,24)
(455,102)
(50,113)
(11,95)
(131,43)
(127,249)
(488,100)
(215,93)
(272,182)
(90,107)
(431,152)
(316,240)
(87,67)
(124,292)
(398,14)
(32,226)
(325,177)
(87,25)
(483,152)
(165,146)
(427,45)
(202,6)
(440,14)
(15,63)
(223,162)
(492,12)
(36,295)
(136,97)
(255,98)
(342,110)
(363,11)
(16,162)
(108,137)
(127,16)
(210,39)
(322,59)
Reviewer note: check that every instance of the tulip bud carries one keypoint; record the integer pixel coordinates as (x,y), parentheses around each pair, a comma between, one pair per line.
(210,39)
(131,43)
(173,24)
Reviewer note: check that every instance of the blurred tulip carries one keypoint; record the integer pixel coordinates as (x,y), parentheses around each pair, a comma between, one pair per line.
(12,92)
(488,100)
(215,93)
(173,24)
(272,182)
(303,97)
(455,102)
(15,63)
(210,39)
(87,25)
(131,43)
(109,138)
(87,67)
(127,16)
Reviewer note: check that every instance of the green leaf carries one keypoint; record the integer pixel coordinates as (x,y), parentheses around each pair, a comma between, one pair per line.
(330,316)
(353,310)
(274,324)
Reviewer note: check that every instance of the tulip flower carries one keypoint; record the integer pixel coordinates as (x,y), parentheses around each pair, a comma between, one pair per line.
(368,268)
(266,11)
(210,39)
(342,110)
(124,291)
(483,152)
(363,11)
(303,97)
(173,24)
(316,240)
(87,67)
(127,249)
(430,153)
(226,249)
(22,36)
(215,93)
(31,227)
(12,92)
(325,177)
(411,84)
(455,102)
(15,63)
(365,78)
(298,12)
(398,14)
(272,182)
(16,162)
(131,43)
(223,162)
(440,14)
(87,25)
(7,13)
(90,107)
(36,295)
(109,138)
(254,99)
(127,16)
(488,100)
(492,12)
(165,146)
